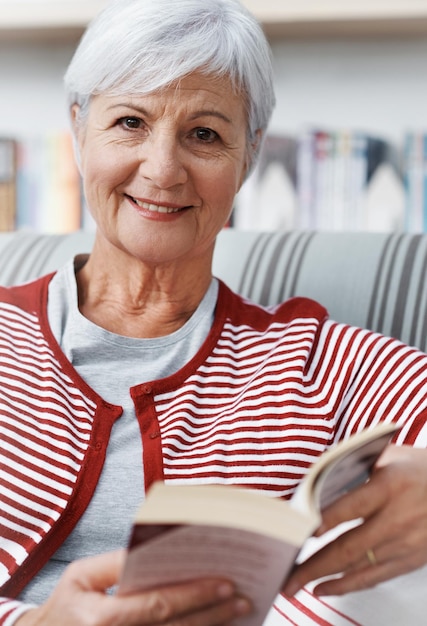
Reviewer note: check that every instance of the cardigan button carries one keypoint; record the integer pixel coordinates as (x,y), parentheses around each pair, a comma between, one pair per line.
(147,389)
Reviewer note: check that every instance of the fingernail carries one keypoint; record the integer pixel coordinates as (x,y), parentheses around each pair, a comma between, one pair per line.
(225,590)
(242,606)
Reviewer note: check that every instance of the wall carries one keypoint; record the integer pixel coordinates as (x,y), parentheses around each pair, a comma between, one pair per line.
(379,86)
(32,99)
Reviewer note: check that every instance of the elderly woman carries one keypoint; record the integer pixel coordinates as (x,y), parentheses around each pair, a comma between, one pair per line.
(169,103)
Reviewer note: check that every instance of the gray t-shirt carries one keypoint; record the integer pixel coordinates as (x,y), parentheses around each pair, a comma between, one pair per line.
(111,364)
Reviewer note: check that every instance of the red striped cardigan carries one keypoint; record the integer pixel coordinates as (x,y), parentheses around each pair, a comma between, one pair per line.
(269,390)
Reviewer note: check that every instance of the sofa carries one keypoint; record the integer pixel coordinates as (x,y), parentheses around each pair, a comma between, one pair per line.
(373,280)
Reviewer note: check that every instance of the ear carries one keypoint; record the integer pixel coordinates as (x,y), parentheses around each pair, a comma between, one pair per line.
(76,123)
(76,126)
(74,114)
(256,143)
(252,151)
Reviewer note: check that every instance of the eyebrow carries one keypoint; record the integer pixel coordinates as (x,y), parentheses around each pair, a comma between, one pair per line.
(127,105)
(211,113)
(195,116)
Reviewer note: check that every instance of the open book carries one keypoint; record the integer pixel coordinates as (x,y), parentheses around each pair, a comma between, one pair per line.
(185,532)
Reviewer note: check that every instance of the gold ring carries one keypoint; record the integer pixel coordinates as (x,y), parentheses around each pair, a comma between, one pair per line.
(371,556)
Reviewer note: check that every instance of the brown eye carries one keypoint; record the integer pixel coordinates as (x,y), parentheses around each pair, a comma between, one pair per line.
(130,122)
(206,135)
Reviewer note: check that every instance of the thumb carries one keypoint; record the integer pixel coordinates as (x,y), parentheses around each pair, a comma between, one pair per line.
(96,573)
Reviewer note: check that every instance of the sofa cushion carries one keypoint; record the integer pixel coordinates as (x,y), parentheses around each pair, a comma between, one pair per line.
(373,280)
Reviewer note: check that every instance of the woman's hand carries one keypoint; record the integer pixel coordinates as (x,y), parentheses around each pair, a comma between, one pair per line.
(392,540)
(80,598)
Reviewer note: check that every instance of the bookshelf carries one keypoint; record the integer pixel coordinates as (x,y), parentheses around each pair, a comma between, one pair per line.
(338,64)
(66,19)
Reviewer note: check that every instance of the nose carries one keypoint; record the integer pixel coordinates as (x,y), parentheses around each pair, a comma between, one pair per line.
(162,161)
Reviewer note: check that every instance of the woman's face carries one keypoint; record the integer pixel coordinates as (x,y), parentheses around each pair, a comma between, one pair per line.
(161,170)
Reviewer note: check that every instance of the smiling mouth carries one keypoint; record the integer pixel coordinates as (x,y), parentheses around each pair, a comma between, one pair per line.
(156,208)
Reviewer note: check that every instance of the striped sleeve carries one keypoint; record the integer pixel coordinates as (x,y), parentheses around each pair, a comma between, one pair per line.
(12,610)
(269,401)
(46,425)
(383,381)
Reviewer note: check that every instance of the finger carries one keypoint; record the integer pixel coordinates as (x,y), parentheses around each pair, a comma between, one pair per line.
(342,553)
(207,601)
(361,503)
(393,505)
(100,572)
(96,573)
(398,476)
(223,613)
(363,578)
(407,553)
(348,553)
(213,615)
(339,554)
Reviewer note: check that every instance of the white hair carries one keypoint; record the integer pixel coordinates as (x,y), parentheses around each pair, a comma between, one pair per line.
(140,46)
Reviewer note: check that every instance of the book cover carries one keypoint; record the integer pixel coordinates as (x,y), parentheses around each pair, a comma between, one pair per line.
(184,532)
(48,184)
(8,158)
(271,187)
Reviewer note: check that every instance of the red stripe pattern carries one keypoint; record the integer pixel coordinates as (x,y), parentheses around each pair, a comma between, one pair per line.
(266,404)
(268,392)
(45,428)
(305,609)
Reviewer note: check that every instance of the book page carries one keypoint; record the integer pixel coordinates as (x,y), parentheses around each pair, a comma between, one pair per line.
(349,472)
(341,469)
(257,564)
(226,506)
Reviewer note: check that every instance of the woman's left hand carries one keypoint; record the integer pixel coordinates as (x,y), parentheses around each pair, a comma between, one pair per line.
(392,540)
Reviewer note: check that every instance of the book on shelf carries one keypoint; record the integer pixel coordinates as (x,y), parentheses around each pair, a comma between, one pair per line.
(272,186)
(185,532)
(324,157)
(48,184)
(415,168)
(323,180)
(336,170)
(7,183)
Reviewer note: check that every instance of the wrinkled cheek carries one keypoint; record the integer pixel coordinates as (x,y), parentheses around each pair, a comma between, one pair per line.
(228,197)
(92,200)
(98,187)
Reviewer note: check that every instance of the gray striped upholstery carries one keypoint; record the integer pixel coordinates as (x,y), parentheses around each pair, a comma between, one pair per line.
(373,280)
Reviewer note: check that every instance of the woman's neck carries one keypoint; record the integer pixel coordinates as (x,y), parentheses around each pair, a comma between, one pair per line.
(138,301)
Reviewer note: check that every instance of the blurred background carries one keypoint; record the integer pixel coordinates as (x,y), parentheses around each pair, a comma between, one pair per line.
(346,147)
